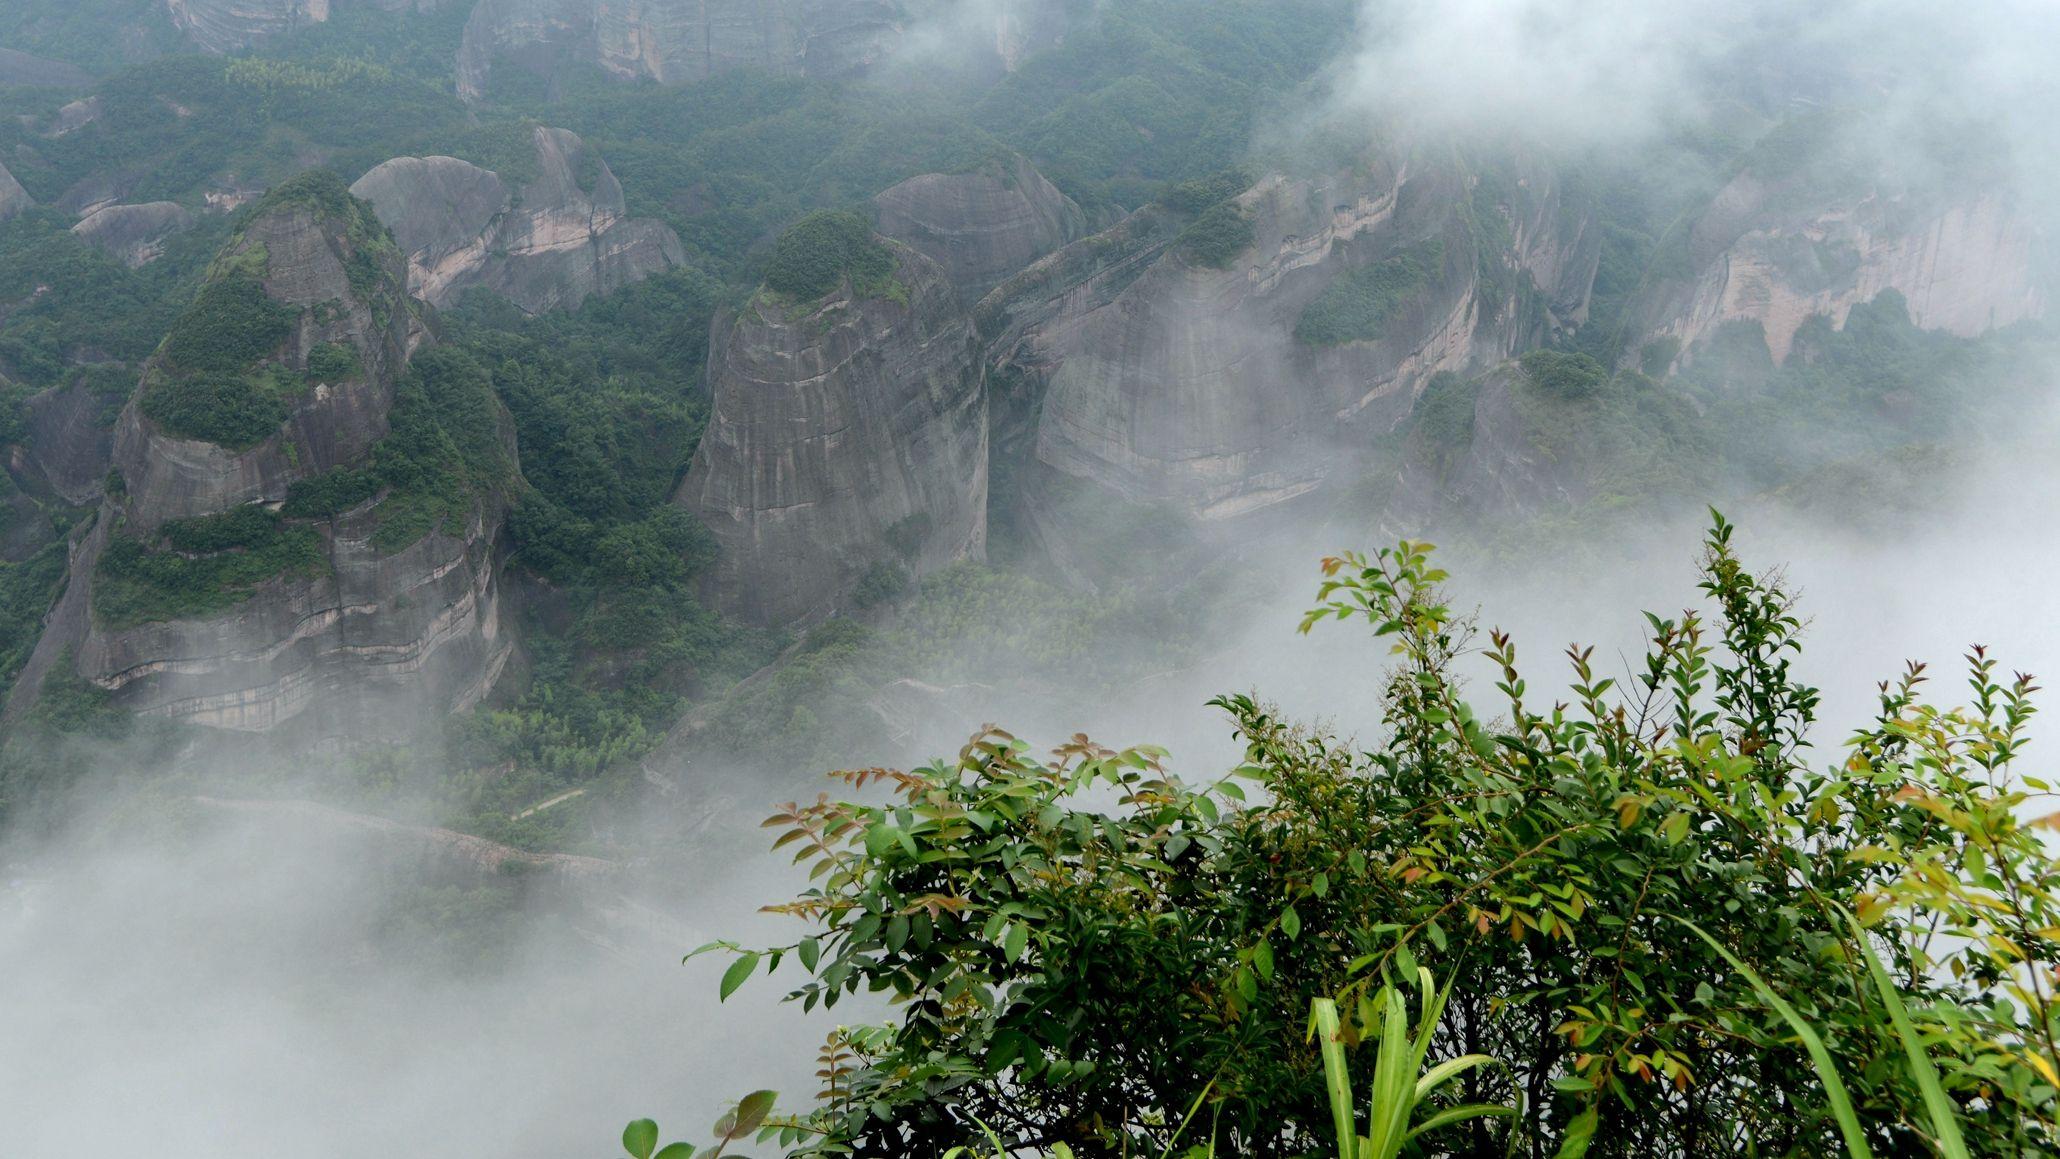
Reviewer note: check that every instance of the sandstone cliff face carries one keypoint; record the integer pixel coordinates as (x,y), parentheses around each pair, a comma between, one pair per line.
(1766,252)
(846,434)
(675,41)
(133,233)
(1169,380)
(221,26)
(307,256)
(983,227)
(69,445)
(13,198)
(545,245)
(362,635)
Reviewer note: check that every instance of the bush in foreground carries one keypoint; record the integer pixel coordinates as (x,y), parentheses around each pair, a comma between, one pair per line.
(1082,949)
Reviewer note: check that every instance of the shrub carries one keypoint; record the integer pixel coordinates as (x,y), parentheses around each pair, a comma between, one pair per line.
(329,493)
(230,325)
(1358,306)
(1077,951)
(204,566)
(1217,236)
(818,252)
(1563,375)
(334,362)
(1202,193)
(237,411)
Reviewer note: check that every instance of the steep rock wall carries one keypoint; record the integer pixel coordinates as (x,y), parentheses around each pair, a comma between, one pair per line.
(14,200)
(1168,379)
(222,26)
(845,434)
(134,234)
(675,41)
(1767,252)
(362,637)
(547,244)
(983,227)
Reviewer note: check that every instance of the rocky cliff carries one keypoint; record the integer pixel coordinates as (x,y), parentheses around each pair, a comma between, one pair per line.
(546,243)
(221,26)
(1779,245)
(982,227)
(847,438)
(134,234)
(1174,371)
(13,198)
(268,553)
(673,41)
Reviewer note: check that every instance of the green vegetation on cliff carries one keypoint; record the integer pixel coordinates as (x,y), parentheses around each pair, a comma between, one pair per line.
(1358,305)
(193,568)
(818,253)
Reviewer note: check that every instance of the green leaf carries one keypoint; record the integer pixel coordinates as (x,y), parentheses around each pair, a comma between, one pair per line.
(752,1110)
(1291,923)
(1827,1071)
(1262,960)
(738,973)
(675,1151)
(1579,1134)
(1015,942)
(640,1137)
(809,951)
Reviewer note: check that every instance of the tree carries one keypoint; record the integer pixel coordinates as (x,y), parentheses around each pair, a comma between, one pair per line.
(1081,948)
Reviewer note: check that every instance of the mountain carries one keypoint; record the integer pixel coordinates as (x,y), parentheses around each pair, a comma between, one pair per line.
(1219,358)
(981,226)
(543,239)
(299,525)
(847,439)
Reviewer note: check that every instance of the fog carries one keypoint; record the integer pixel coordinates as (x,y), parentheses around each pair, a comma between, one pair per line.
(201,981)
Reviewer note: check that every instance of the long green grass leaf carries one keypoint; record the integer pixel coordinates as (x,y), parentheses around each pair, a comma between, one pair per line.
(1323,1020)
(1461,1114)
(1945,1122)
(1834,1087)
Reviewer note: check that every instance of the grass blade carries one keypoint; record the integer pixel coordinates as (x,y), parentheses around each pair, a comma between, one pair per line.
(1945,1122)
(1834,1087)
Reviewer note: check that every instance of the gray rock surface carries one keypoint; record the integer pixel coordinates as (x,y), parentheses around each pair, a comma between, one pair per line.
(133,233)
(674,41)
(547,244)
(983,227)
(221,26)
(377,639)
(1776,251)
(19,69)
(1168,380)
(14,200)
(69,445)
(845,435)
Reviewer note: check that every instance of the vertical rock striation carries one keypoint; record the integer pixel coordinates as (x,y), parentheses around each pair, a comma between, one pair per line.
(1223,385)
(846,434)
